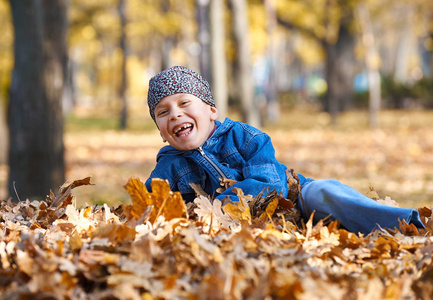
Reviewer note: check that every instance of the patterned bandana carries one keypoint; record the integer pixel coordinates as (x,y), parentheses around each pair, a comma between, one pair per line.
(176,80)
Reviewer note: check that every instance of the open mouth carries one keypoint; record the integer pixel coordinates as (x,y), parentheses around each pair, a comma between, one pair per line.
(183,130)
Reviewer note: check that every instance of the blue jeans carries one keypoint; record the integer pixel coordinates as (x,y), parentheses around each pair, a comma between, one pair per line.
(355,211)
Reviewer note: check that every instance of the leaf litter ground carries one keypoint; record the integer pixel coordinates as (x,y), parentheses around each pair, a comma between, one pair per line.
(157,247)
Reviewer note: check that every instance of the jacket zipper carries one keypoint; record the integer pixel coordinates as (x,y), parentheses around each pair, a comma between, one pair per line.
(220,172)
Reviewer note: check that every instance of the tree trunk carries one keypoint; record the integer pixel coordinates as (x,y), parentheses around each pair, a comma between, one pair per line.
(339,73)
(36,152)
(406,43)
(167,42)
(218,57)
(427,57)
(123,74)
(244,78)
(69,91)
(273,109)
(204,38)
(372,65)
(3,134)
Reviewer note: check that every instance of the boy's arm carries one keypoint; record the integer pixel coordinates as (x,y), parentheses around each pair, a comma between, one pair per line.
(261,169)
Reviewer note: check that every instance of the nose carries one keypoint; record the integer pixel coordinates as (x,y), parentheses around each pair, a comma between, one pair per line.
(175,113)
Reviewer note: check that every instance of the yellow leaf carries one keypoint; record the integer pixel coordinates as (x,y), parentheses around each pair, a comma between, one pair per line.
(270,209)
(165,202)
(233,210)
(238,212)
(140,197)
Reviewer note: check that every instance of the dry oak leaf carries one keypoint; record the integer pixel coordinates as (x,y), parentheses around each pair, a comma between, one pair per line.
(165,202)
(212,212)
(388,201)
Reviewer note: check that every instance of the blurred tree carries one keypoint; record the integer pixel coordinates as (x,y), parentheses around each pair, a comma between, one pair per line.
(371,63)
(243,71)
(94,37)
(3,135)
(218,57)
(273,111)
(6,65)
(36,162)
(329,22)
(123,74)
(204,38)
(428,55)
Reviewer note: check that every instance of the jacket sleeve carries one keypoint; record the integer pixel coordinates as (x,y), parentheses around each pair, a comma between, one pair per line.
(261,170)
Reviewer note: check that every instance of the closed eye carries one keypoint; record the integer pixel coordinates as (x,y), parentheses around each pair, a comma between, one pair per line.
(161,113)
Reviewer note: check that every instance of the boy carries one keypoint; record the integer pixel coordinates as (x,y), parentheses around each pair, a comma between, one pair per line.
(202,150)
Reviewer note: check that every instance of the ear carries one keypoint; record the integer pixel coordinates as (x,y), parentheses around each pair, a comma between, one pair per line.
(163,139)
(213,113)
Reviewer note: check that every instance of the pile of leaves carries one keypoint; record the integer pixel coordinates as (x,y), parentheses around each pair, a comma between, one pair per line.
(159,248)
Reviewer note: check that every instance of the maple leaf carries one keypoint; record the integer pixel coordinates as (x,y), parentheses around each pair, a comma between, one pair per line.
(165,202)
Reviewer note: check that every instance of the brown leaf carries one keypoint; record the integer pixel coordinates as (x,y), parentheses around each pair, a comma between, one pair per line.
(115,232)
(64,197)
(408,229)
(425,212)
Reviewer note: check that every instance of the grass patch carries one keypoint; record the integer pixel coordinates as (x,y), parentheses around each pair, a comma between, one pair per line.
(79,122)
(90,123)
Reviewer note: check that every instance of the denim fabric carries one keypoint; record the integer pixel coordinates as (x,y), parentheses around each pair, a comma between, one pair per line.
(336,201)
(246,154)
(242,152)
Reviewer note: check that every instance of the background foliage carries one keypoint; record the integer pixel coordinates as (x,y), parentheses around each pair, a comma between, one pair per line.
(299,34)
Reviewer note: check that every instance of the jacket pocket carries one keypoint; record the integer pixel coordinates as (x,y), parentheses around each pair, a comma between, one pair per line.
(232,159)
(264,173)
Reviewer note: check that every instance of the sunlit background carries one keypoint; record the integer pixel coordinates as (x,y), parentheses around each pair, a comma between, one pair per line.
(314,69)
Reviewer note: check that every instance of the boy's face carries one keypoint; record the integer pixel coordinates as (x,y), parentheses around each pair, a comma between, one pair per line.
(184,120)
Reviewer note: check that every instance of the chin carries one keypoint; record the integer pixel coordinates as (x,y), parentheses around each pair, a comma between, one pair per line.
(189,148)
(184,147)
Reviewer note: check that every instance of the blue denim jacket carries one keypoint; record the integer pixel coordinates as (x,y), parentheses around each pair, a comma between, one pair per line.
(235,151)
